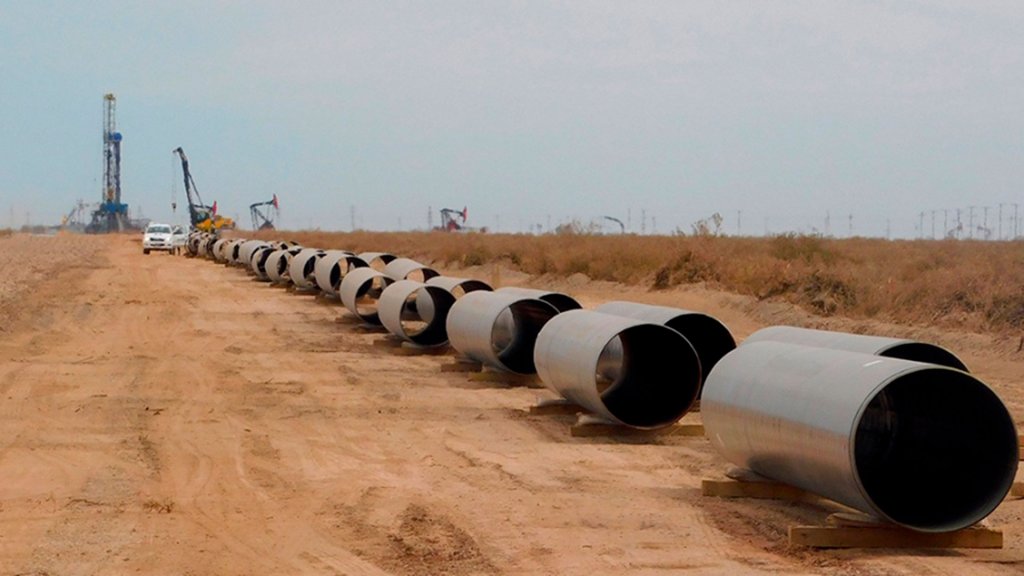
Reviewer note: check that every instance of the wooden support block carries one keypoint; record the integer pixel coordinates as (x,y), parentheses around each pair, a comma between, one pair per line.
(555,407)
(889,536)
(765,490)
(462,366)
(410,349)
(588,426)
(506,378)
(1017,490)
(387,342)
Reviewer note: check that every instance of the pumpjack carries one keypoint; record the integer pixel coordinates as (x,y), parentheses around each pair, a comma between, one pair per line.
(264,214)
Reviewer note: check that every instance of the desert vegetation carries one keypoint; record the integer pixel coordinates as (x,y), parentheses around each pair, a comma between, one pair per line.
(970,285)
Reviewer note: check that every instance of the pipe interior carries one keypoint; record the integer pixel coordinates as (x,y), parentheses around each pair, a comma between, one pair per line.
(656,380)
(421,275)
(927,353)
(428,329)
(342,267)
(561,302)
(468,286)
(936,450)
(709,338)
(514,334)
(367,296)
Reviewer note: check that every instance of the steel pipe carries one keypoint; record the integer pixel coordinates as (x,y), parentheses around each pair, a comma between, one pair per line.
(657,374)
(302,266)
(218,250)
(376,260)
(277,264)
(416,312)
(498,329)
(459,287)
(406,269)
(874,345)
(246,250)
(332,268)
(259,261)
(360,293)
(563,302)
(709,337)
(924,446)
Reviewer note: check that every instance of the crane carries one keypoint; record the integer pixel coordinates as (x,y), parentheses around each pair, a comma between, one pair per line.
(202,217)
(264,220)
(617,221)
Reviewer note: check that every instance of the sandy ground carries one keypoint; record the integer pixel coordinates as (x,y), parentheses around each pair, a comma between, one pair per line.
(163,415)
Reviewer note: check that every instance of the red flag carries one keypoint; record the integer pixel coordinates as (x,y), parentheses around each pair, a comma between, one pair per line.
(275,202)
(214,210)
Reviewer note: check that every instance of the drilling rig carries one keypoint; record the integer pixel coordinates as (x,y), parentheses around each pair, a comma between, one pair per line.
(112,214)
(264,214)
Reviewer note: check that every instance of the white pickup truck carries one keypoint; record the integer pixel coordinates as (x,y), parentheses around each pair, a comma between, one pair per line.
(159,237)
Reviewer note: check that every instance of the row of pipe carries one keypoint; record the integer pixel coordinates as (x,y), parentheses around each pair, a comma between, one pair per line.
(895,428)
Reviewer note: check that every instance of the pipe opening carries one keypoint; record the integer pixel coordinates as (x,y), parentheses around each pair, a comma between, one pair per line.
(709,338)
(367,296)
(561,302)
(424,313)
(644,377)
(342,267)
(421,275)
(514,334)
(924,352)
(935,450)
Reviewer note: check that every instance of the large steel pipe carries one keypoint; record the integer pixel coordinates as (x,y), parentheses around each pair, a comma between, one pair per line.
(563,302)
(302,267)
(875,345)
(218,250)
(277,264)
(416,312)
(406,269)
(657,374)
(259,261)
(925,446)
(376,260)
(360,293)
(246,249)
(709,337)
(498,329)
(459,287)
(331,269)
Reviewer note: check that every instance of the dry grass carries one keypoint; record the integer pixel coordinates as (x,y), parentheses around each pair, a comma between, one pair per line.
(5,232)
(976,286)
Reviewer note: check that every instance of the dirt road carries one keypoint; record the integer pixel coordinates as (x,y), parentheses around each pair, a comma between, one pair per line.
(162,415)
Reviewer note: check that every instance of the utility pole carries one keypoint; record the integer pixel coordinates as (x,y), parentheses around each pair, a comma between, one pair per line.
(888,229)
(430,218)
(920,225)
(828,224)
(1014,220)
(959,224)
(850,233)
(933,224)
(945,222)
(970,222)
(739,222)
(1000,233)
(643,221)
(985,220)
(352,216)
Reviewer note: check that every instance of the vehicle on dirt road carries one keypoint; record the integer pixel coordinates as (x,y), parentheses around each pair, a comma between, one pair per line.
(179,237)
(157,237)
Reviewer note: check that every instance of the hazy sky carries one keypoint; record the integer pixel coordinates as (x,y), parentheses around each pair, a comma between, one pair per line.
(526,112)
